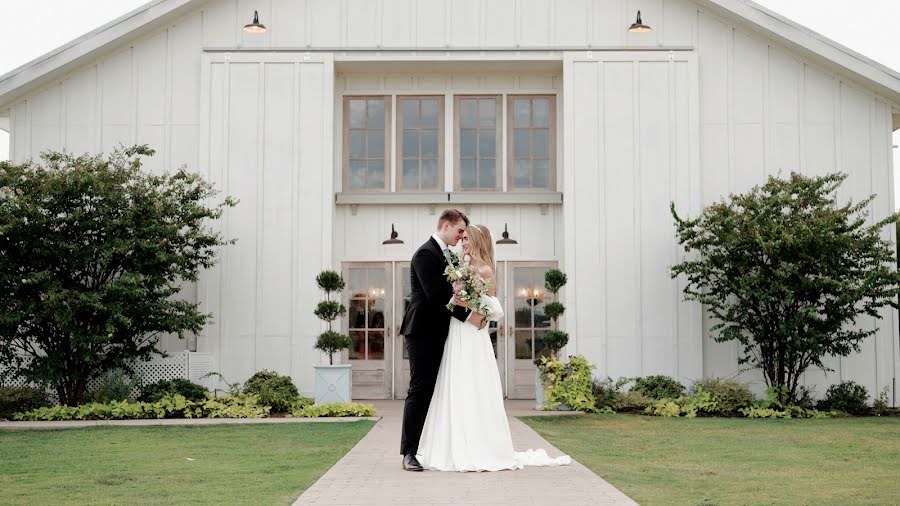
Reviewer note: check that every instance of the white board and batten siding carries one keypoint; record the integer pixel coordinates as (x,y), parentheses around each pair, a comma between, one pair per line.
(266,124)
(637,127)
(629,153)
(764,111)
(447,24)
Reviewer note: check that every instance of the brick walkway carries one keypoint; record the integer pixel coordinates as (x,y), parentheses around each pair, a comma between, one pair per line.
(371,474)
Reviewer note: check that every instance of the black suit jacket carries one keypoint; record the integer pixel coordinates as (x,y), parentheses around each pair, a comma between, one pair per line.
(427,315)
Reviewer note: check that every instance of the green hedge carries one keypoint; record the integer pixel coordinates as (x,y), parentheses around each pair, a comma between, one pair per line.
(16,399)
(186,388)
(334,409)
(170,406)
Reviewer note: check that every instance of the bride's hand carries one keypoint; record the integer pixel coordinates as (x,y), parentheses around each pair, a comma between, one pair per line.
(478,320)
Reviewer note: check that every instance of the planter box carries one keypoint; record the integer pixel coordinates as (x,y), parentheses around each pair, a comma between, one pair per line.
(538,390)
(333,383)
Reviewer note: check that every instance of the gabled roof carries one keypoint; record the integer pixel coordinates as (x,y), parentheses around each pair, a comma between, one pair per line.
(89,46)
(881,79)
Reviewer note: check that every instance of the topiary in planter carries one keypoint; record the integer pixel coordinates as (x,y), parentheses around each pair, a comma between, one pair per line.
(554,339)
(331,342)
(273,390)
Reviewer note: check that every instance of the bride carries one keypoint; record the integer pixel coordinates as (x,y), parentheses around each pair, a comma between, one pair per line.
(466,427)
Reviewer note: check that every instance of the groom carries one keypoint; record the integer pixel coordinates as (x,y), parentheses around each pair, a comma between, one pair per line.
(425,326)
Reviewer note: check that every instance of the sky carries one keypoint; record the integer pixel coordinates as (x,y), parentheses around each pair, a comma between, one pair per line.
(43,25)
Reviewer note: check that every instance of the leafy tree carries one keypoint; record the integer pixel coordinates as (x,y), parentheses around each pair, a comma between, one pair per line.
(93,251)
(786,271)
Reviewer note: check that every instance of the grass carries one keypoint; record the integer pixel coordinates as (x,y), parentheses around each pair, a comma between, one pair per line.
(736,461)
(222,464)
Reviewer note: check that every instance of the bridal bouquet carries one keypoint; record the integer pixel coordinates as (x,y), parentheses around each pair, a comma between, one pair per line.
(469,288)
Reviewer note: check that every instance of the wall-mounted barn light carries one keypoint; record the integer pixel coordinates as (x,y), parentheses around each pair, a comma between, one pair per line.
(638,26)
(255,26)
(393,239)
(506,239)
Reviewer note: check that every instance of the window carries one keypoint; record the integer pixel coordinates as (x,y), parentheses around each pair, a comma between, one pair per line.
(532,142)
(530,323)
(366,143)
(420,142)
(366,312)
(478,142)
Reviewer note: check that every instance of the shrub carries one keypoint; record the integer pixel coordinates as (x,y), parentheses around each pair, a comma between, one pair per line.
(730,395)
(788,412)
(847,396)
(169,406)
(93,251)
(334,409)
(634,401)
(232,406)
(608,393)
(804,397)
(701,403)
(554,310)
(658,387)
(302,402)
(880,406)
(273,389)
(784,269)
(568,384)
(18,399)
(116,385)
(188,389)
(555,340)
(554,279)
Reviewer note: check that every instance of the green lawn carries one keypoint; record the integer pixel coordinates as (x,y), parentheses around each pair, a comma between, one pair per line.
(736,461)
(230,464)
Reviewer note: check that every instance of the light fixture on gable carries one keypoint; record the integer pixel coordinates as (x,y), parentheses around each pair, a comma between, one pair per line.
(638,26)
(255,26)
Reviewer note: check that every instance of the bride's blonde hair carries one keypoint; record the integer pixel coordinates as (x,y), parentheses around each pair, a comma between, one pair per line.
(481,245)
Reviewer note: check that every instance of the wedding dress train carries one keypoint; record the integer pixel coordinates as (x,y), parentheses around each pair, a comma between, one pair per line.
(466,428)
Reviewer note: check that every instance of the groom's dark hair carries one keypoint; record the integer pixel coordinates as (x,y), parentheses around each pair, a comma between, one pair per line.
(452,216)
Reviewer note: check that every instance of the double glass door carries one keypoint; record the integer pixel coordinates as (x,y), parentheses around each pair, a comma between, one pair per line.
(376,297)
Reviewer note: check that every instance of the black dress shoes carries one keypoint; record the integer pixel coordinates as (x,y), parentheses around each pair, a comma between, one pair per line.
(410,463)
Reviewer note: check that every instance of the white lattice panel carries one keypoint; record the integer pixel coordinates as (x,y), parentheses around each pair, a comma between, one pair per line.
(200,364)
(176,365)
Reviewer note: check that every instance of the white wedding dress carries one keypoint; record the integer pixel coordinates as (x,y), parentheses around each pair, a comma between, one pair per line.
(466,427)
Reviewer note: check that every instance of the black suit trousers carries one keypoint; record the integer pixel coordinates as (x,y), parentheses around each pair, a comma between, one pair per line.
(425,353)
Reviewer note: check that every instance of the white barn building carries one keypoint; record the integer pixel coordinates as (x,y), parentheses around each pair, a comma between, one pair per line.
(547,118)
